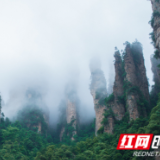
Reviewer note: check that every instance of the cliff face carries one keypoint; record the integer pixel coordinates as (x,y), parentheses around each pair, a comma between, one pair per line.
(141,76)
(99,110)
(118,108)
(69,112)
(99,92)
(136,77)
(130,88)
(108,128)
(132,106)
(71,116)
(131,77)
(131,74)
(155,23)
(130,67)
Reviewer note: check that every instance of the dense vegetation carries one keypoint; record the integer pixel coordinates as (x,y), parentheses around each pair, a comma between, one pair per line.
(17,142)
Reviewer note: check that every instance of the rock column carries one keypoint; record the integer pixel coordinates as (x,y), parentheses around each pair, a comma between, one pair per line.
(71,115)
(118,91)
(130,70)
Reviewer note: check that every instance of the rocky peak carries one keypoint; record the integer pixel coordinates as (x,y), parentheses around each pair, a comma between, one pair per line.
(71,115)
(136,78)
(130,66)
(99,92)
(141,76)
(68,109)
(118,84)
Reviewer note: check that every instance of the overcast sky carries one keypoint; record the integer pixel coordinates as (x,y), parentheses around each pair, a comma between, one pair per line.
(47,44)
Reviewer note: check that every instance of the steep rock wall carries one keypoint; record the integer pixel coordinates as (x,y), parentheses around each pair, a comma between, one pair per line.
(141,76)
(132,105)
(109,127)
(136,76)
(99,110)
(118,108)
(130,67)
(99,93)
(131,77)
(71,115)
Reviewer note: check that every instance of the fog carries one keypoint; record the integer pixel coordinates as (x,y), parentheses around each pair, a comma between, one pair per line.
(48,44)
(98,81)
